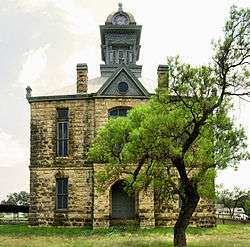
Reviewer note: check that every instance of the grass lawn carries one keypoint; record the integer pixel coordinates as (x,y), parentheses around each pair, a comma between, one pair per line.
(23,236)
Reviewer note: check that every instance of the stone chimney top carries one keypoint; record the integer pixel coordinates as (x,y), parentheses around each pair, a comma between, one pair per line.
(82,77)
(163,76)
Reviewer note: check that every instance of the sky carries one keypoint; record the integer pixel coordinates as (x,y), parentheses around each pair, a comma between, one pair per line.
(42,41)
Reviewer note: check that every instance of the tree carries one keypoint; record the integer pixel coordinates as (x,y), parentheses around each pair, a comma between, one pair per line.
(17,198)
(246,205)
(185,129)
(231,199)
(245,202)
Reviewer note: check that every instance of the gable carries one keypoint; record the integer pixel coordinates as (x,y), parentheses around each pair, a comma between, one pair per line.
(122,83)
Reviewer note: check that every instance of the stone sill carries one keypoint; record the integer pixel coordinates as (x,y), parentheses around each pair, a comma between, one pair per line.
(58,211)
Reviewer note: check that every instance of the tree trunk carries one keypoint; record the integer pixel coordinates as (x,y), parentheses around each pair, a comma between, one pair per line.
(190,198)
(188,207)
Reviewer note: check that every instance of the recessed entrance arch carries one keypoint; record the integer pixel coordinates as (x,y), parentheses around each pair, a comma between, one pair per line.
(123,204)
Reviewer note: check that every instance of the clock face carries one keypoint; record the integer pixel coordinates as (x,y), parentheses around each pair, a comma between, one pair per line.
(120,20)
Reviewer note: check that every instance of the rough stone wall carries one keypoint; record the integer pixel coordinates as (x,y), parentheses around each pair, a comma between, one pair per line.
(166,213)
(43,197)
(146,208)
(102,200)
(43,132)
(87,205)
(150,212)
(45,166)
(102,206)
(103,105)
(82,78)
(85,118)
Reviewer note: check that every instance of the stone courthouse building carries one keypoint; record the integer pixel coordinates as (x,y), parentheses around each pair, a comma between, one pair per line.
(63,191)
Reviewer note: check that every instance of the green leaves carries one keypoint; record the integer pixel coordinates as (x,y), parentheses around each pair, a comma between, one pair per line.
(232,199)
(232,53)
(17,198)
(110,141)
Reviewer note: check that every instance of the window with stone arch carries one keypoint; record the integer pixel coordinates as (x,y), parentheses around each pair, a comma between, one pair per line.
(118,111)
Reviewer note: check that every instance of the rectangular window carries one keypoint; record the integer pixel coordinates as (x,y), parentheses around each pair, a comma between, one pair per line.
(62,113)
(130,57)
(120,56)
(127,57)
(62,132)
(111,57)
(62,193)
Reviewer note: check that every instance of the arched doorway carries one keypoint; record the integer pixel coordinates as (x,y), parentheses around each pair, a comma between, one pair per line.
(123,204)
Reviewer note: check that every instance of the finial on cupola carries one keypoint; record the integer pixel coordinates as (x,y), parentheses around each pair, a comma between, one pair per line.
(28,92)
(120,7)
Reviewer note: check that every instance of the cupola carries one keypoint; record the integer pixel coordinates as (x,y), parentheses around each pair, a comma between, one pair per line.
(120,42)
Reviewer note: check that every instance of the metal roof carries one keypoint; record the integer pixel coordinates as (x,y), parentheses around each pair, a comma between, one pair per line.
(95,84)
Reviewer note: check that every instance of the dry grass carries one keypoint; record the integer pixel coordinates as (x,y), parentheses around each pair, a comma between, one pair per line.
(223,235)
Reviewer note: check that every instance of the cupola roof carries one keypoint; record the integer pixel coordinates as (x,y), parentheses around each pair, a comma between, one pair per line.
(120,17)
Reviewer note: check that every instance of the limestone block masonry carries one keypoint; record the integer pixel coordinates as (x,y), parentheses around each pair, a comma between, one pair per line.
(86,206)
(82,78)
(86,116)
(45,166)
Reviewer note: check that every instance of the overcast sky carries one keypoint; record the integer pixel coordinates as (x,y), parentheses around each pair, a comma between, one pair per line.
(41,41)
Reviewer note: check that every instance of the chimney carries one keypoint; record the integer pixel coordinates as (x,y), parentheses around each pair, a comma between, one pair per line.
(82,77)
(163,75)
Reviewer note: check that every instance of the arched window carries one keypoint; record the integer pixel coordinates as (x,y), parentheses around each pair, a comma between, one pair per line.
(119,112)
